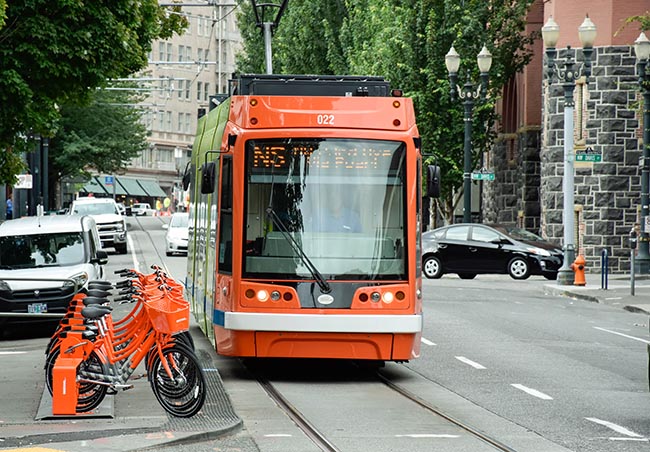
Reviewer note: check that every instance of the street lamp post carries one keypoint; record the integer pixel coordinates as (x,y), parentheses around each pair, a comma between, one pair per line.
(469,94)
(642,51)
(567,74)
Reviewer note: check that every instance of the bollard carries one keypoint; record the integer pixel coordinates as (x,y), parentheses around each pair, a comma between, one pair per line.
(604,268)
(633,243)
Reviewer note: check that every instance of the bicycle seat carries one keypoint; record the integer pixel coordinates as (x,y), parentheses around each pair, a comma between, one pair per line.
(99,293)
(88,301)
(95,312)
(100,282)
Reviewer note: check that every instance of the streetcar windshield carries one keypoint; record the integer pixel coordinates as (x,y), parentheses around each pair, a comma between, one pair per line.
(337,205)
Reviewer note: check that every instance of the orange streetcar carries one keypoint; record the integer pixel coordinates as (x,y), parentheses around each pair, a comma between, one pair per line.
(305,214)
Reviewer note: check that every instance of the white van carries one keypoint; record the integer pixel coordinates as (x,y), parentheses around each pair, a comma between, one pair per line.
(43,260)
(110,224)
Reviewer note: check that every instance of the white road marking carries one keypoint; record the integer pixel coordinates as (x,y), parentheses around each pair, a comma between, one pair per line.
(533,392)
(426,435)
(278,435)
(643,440)
(617,428)
(475,365)
(12,353)
(426,341)
(621,334)
(136,267)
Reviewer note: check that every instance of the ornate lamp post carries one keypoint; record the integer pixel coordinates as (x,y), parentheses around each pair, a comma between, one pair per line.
(567,74)
(468,93)
(642,51)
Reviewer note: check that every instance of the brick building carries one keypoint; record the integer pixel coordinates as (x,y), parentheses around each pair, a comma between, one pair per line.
(528,155)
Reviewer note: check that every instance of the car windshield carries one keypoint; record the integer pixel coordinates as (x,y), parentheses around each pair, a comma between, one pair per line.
(95,208)
(178,221)
(40,250)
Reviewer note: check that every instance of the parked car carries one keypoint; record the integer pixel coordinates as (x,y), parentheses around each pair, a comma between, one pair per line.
(111,225)
(41,261)
(177,233)
(141,208)
(471,249)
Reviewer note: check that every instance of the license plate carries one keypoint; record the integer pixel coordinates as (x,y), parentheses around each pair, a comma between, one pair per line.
(36,308)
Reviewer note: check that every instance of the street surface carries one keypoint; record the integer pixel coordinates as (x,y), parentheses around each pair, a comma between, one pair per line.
(535,371)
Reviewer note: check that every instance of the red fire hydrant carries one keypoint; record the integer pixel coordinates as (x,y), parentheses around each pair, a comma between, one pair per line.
(578,268)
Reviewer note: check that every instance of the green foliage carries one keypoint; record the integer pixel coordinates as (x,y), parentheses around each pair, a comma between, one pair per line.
(406,41)
(104,135)
(56,52)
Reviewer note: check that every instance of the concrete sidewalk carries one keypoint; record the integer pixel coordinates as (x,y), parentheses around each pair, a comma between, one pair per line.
(615,290)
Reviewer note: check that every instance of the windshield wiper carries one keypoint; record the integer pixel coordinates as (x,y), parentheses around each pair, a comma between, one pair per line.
(320,280)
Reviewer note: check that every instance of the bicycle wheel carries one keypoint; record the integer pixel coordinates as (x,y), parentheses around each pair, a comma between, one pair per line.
(90,395)
(183,394)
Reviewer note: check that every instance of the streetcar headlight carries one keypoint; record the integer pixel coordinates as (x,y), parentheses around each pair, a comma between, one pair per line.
(262,295)
(388,297)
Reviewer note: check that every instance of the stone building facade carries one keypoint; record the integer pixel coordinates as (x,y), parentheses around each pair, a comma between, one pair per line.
(528,156)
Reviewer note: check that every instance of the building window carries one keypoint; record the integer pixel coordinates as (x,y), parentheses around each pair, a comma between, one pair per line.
(188,122)
(206,92)
(199,88)
(168,123)
(187,89)
(161,121)
(180,122)
(161,51)
(169,52)
(181,53)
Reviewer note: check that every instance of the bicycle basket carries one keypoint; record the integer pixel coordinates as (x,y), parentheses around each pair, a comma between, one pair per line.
(167,315)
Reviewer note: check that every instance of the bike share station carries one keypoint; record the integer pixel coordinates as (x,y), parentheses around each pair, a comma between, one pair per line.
(91,355)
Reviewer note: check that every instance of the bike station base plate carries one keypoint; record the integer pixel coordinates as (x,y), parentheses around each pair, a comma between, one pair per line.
(104,410)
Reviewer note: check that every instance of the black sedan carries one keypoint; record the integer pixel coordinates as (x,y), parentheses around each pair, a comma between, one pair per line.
(471,249)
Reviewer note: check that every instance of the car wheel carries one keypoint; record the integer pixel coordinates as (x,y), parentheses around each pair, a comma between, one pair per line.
(518,268)
(432,267)
(467,275)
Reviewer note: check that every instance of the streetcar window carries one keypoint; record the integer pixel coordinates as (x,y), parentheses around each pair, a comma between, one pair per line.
(341,201)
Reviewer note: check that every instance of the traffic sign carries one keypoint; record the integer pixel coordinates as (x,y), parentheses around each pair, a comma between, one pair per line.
(108,180)
(24,181)
(476,175)
(584,157)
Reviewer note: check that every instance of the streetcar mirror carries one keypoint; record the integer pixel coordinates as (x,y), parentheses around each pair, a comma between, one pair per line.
(207,181)
(433,181)
(186,177)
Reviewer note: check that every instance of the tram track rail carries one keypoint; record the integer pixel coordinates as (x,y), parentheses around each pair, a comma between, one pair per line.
(321,440)
(429,407)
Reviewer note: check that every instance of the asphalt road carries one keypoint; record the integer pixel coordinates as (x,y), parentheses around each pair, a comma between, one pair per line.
(551,364)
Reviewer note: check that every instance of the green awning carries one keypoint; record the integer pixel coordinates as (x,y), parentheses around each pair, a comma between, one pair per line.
(119,190)
(152,188)
(92,186)
(131,186)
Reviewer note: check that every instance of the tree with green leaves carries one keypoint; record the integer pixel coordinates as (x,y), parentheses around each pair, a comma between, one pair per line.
(102,135)
(56,52)
(406,41)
